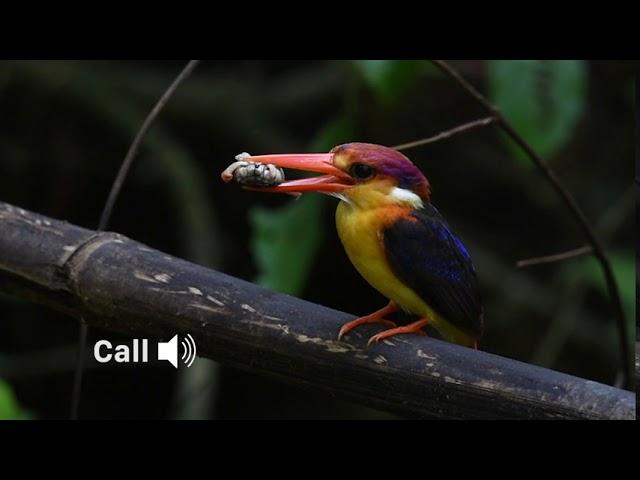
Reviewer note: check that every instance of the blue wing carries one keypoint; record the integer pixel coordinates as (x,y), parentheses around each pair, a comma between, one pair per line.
(425,254)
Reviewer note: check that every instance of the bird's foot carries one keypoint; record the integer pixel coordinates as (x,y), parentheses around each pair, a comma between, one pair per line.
(375,317)
(415,327)
(347,327)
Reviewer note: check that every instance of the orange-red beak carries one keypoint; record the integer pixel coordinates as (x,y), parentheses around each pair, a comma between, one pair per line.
(333,179)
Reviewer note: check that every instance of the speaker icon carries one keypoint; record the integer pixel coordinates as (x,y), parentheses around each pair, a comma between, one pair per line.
(169,351)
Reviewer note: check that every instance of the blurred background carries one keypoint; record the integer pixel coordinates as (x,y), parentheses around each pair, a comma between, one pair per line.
(65,126)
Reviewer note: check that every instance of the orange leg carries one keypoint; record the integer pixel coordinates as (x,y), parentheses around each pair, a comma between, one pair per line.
(375,317)
(415,327)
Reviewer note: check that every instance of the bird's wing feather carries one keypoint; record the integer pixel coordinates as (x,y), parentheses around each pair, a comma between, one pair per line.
(425,254)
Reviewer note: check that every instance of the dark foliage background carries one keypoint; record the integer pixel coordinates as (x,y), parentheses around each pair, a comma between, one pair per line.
(65,127)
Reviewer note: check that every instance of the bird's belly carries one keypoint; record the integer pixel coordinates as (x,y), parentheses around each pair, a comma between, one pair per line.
(360,233)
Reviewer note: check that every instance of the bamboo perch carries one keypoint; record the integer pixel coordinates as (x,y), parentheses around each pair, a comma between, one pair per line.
(121,285)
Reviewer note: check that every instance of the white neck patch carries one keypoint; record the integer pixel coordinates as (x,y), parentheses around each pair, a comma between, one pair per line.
(402,195)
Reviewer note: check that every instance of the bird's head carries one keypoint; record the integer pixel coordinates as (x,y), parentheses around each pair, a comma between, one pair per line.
(362,174)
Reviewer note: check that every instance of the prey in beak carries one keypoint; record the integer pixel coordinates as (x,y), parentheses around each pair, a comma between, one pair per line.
(268,176)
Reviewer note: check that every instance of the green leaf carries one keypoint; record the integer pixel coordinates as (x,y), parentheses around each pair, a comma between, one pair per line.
(543,99)
(285,241)
(390,79)
(9,407)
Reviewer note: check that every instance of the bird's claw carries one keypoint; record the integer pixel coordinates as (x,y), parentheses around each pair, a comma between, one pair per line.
(341,334)
(415,327)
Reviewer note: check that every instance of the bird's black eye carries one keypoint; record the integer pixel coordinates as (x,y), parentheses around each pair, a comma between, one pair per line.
(360,171)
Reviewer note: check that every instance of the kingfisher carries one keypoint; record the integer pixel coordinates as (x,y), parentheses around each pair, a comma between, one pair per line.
(395,237)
